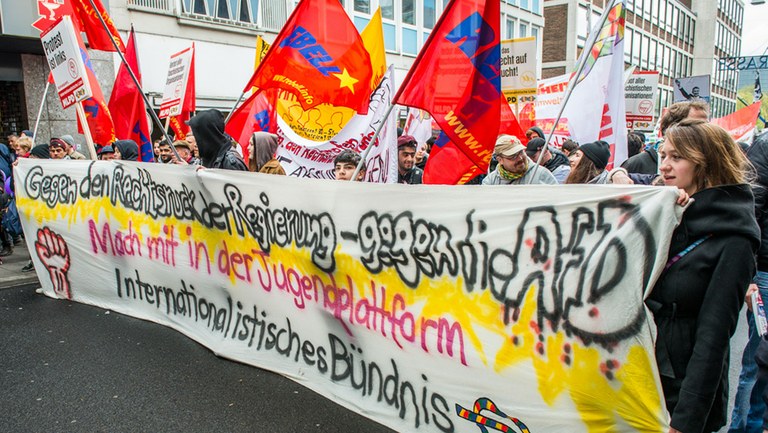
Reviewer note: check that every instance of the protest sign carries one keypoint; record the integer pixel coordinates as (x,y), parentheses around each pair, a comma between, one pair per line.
(302,157)
(741,123)
(640,92)
(62,52)
(425,308)
(176,83)
(518,70)
(691,88)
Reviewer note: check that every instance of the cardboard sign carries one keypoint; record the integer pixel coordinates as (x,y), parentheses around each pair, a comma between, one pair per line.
(176,83)
(518,69)
(640,93)
(61,46)
(691,88)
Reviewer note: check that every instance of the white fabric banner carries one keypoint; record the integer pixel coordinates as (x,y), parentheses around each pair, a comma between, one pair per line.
(301,157)
(596,108)
(425,308)
(418,124)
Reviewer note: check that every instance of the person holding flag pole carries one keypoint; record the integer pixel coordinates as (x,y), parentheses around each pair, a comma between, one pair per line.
(138,85)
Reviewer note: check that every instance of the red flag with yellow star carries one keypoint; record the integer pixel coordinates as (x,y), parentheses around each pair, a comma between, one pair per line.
(319,57)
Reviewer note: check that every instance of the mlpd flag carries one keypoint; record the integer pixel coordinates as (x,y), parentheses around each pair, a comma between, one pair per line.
(456,78)
(86,19)
(178,123)
(322,122)
(129,114)
(596,108)
(319,57)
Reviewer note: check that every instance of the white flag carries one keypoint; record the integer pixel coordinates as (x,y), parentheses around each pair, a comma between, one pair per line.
(418,124)
(301,157)
(596,109)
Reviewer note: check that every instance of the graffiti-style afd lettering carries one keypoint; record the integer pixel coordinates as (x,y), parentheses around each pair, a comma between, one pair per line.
(574,276)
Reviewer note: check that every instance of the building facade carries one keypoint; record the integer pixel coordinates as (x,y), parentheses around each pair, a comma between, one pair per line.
(224,33)
(677,38)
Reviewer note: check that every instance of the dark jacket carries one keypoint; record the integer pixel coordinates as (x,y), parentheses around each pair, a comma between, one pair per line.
(758,156)
(214,145)
(412,176)
(129,150)
(558,159)
(644,162)
(6,160)
(696,303)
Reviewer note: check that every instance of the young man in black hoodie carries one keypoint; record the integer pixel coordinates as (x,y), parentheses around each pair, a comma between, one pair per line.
(214,145)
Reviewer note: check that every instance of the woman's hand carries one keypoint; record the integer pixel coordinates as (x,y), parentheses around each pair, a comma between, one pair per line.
(682,197)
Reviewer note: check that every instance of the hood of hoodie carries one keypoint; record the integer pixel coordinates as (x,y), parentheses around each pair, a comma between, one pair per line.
(722,210)
(208,129)
(538,131)
(558,159)
(129,150)
(264,148)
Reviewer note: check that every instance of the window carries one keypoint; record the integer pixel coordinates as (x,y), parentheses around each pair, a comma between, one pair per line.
(363,6)
(510,29)
(523,30)
(535,33)
(198,7)
(536,7)
(524,4)
(429,14)
(410,43)
(390,36)
(408,15)
(387,10)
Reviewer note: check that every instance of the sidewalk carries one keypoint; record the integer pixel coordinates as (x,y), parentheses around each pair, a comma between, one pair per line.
(10,270)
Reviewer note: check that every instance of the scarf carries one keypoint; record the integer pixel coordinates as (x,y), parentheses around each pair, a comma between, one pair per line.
(508,175)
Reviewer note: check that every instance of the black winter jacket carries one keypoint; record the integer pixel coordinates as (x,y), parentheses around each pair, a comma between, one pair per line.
(758,156)
(213,143)
(644,162)
(696,303)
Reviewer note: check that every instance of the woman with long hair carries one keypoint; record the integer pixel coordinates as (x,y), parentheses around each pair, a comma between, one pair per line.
(588,163)
(711,261)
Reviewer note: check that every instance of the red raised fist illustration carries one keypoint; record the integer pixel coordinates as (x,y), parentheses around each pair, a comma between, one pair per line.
(54,253)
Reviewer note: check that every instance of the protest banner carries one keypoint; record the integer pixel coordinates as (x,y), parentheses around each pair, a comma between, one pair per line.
(306,158)
(741,123)
(427,309)
(691,88)
(176,83)
(518,70)
(62,52)
(640,92)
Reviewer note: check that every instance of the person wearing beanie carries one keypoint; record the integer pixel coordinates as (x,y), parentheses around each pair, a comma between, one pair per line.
(57,149)
(213,143)
(552,159)
(40,152)
(406,161)
(72,148)
(534,132)
(514,167)
(588,163)
(107,153)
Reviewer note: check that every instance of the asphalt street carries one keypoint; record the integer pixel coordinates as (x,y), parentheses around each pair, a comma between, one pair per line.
(69,367)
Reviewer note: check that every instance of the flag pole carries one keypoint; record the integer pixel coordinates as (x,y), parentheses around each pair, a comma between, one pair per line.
(372,142)
(234,107)
(86,130)
(135,81)
(572,84)
(40,110)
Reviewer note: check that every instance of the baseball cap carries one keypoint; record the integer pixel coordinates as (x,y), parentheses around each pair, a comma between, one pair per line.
(508,145)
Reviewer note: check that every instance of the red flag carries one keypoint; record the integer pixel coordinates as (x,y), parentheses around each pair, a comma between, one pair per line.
(98,37)
(97,113)
(456,78)
(741,123)
(179,123)
(129,114)
(319,57)
(255,114)
(449,165)
(85,18)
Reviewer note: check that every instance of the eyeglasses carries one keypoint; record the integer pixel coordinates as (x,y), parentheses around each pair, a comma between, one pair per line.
(516,156)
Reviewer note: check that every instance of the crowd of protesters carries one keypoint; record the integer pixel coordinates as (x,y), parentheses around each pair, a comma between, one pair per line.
(715,255)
